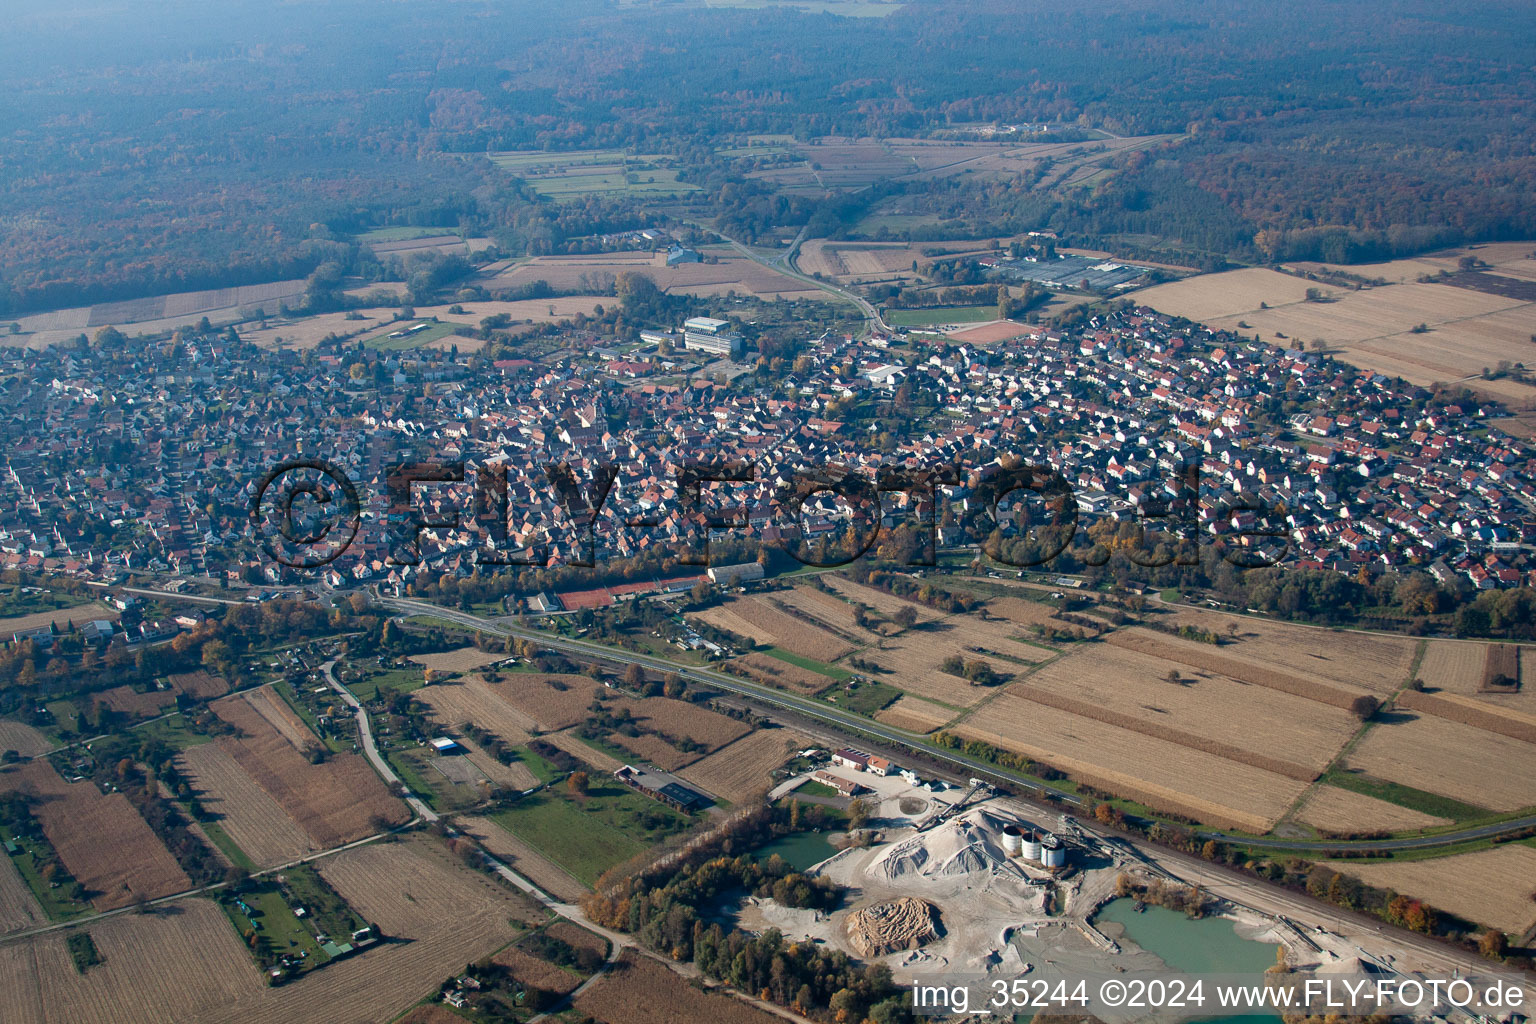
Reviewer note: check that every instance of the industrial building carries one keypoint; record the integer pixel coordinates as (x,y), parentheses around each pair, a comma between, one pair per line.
(706,334)
(734,575)
(1084,272)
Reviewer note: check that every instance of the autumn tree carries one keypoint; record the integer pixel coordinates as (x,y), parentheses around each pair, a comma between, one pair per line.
(579,783)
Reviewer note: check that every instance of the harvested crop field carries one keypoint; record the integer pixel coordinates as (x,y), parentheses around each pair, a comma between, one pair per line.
(1028,613)
(652,749)
(78,817)
(567,273)
(1369,660)
(1459,668)
(761,620)
(741,769)
(523,859)
(531,970)
(1454,760)
(638,990)
(789,631)
(832,612)
(266,703)
(23,739)
(256,822)
(59,617)
(1260,723)
(709,729)
(19,909)
(1340,811)
(465,659)
(126,700)
(1493,887)
(1159,773)
(335,801)
(886,604)
(201,685)
(1205,657)
(542,697)
(473,700)
(772,672)
(911,660)
(144,976)
(568,741)
(1212,296)
(512,776)
(1469,711)
(914,714)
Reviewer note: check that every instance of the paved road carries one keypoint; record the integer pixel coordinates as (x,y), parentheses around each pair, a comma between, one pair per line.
(365,730)
(911,741)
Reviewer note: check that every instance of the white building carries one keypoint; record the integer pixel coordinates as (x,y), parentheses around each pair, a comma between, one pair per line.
(706,334)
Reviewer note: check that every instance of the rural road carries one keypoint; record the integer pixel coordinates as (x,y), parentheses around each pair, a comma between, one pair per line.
(983,769)
(365,730)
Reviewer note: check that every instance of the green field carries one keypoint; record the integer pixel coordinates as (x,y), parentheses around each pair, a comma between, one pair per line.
(16,600)
(32,854)
(610,826)
(810,663)
(386,682)
(940,315)
(566,176)
(406,234)
(1406,796)
(867,698)
(437,331)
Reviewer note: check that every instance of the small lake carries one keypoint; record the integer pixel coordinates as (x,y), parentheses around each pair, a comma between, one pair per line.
(800,850)
(1209,945)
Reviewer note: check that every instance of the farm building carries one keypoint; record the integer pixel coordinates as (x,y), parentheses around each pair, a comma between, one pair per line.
(444,745)
(844,787)
(663,786)
(881,767)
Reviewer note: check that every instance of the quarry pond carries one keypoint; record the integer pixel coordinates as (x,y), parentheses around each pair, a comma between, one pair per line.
(1209,945)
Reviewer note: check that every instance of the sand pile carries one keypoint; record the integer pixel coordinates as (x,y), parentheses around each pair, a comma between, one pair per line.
(970,845)
(904,923)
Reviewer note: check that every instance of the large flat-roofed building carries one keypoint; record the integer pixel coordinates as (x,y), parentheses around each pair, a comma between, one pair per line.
(706,334)
(732,575)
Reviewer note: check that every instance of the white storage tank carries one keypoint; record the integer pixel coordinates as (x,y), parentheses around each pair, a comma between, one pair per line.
(1053,853)
(1031,850)
(1013,840)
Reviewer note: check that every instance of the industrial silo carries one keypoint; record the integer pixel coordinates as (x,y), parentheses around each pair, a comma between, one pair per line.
(1013,840)
(1031,847)
(1053,853)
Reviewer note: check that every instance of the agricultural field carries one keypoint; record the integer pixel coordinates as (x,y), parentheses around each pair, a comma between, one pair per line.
(1468,330)
(128,701)
(511,776)
(1459,669)
(1369,660)
(1455,760)
(22,738)
(767,621)
(335,801)
(1157,772)
(831,612)
(75,817)
(587,837)
(741,769)
(522,858)
(729,272)
(911,661)
(472,700)
(1331,809)
(771,671)
(915,714)
(1493,887)
(157,313)
(305,332)
(19,909)
(254,822)
(58,617)
(464,659)
(200,685)
(568,176)
(552,701)
(1276,731)
(638,990)
(1229,660)
(143,977)
(266,703)
(861,262)
(568,741)
(886,604)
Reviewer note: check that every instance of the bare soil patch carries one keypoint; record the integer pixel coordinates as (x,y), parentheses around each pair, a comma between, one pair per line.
(465,659)
(914,714)
(23,739)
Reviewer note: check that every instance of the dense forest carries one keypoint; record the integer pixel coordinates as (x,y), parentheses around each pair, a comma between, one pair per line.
(181,145)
